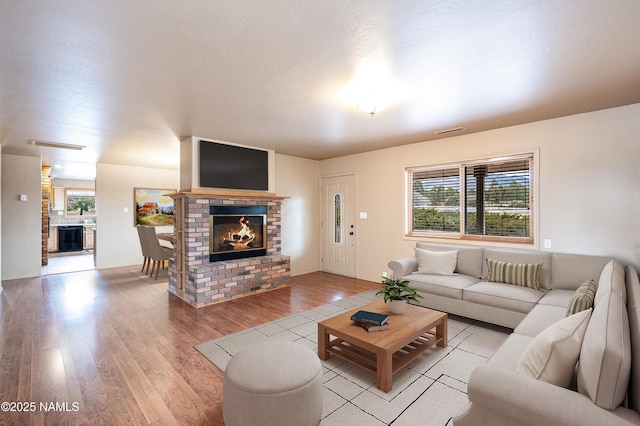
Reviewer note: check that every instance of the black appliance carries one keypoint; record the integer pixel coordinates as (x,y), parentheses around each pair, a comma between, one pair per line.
(70,238)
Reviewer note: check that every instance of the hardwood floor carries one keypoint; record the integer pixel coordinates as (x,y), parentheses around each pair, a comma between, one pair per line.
(105,347)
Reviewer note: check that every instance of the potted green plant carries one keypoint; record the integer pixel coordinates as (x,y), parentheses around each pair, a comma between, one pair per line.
(398,293)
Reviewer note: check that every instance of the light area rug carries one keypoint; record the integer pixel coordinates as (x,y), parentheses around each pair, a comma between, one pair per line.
(429,391)
(163,276)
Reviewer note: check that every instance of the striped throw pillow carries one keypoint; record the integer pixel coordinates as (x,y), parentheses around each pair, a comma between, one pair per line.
(583,297)
(523,274)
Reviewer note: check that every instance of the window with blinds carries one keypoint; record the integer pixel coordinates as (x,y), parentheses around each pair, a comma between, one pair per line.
(487,200)
(435,200)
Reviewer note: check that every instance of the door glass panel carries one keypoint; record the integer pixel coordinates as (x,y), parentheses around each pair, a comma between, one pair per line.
(337,219)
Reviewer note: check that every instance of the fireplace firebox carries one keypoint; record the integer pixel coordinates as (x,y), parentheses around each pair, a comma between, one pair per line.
(237,232)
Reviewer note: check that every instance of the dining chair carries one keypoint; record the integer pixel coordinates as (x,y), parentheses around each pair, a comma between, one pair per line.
(157,252)
(145,248)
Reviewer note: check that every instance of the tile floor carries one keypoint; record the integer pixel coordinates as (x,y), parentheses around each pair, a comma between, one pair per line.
(429,391)
(71,262)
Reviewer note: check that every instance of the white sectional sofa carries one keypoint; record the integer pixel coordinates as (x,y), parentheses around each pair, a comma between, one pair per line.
(519,385)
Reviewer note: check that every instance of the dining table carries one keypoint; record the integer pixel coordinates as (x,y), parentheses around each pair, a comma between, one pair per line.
(167,236)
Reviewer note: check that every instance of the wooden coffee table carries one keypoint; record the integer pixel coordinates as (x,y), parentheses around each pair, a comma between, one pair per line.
(383,352)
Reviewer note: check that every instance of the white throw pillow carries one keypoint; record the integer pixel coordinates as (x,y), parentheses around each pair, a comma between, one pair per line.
(552,355)
(436,262)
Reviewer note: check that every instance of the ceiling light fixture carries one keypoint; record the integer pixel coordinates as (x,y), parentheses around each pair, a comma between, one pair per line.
(372,89)
(368,104)
(57,145)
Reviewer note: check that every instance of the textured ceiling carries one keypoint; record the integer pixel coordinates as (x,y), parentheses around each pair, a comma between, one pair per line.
(128,79)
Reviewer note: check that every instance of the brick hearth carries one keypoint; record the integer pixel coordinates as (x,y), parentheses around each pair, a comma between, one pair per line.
(199,282)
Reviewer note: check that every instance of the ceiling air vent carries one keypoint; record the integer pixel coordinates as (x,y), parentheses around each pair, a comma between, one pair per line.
(455,129)
(56,145)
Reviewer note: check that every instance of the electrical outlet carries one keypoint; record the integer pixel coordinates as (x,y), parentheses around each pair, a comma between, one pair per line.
(547,243)
(384,274)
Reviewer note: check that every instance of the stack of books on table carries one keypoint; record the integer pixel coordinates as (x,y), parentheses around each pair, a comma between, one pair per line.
(371,321)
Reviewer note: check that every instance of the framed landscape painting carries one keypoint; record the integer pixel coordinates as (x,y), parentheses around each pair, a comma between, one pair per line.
(153,206)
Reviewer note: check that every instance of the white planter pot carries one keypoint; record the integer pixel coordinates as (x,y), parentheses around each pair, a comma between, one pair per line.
(397,306)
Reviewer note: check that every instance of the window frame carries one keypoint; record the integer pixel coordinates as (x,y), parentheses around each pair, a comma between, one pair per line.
(529,156)
(338,231)
(79,192)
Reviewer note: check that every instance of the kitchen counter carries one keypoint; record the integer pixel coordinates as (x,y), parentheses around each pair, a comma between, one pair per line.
(86,238)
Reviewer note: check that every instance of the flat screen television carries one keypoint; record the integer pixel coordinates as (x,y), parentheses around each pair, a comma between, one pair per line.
(233,167)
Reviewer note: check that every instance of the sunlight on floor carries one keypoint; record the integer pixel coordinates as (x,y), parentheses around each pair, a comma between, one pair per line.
(71,263)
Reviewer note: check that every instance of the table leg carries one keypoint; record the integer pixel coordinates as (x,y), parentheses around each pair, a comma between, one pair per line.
(384,370)
(323,342)
(441,333)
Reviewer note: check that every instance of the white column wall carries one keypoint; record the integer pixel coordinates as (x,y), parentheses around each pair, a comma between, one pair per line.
(297,179)
(21,234)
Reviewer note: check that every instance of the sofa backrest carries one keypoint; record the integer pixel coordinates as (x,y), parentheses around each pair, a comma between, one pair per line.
(633,310)
(520,256)
(469,257)
(605,357)
(568,271)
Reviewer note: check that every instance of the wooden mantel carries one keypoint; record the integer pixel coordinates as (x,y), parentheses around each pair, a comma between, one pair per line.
(225,193)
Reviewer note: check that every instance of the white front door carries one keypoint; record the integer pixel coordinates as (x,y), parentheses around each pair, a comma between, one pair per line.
(338,225)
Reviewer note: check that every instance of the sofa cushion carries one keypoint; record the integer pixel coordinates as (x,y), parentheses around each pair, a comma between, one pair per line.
(605,357)
(568,271)
(540,317)
(441,285)
(521,256)
(582,298)
(436,262)
(500,295)
(552,355)
(469,258)
(559,298)
(524,274)
(508,355)
(632,282)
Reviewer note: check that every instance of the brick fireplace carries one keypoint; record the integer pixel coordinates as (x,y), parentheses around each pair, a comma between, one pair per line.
(196,279)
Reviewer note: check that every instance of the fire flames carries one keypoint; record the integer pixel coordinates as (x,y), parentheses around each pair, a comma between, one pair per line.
(240,238)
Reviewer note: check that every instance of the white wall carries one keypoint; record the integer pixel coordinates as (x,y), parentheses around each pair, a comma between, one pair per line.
(117,242)
(297,179)
(589,201)
(21,220)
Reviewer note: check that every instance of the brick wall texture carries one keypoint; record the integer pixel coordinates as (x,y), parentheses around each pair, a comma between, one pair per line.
(208,282)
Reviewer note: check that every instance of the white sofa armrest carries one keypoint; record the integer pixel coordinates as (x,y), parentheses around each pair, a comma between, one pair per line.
(501,397)
(404,266)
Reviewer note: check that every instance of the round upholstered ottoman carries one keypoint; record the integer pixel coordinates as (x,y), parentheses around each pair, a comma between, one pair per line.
(273,383)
